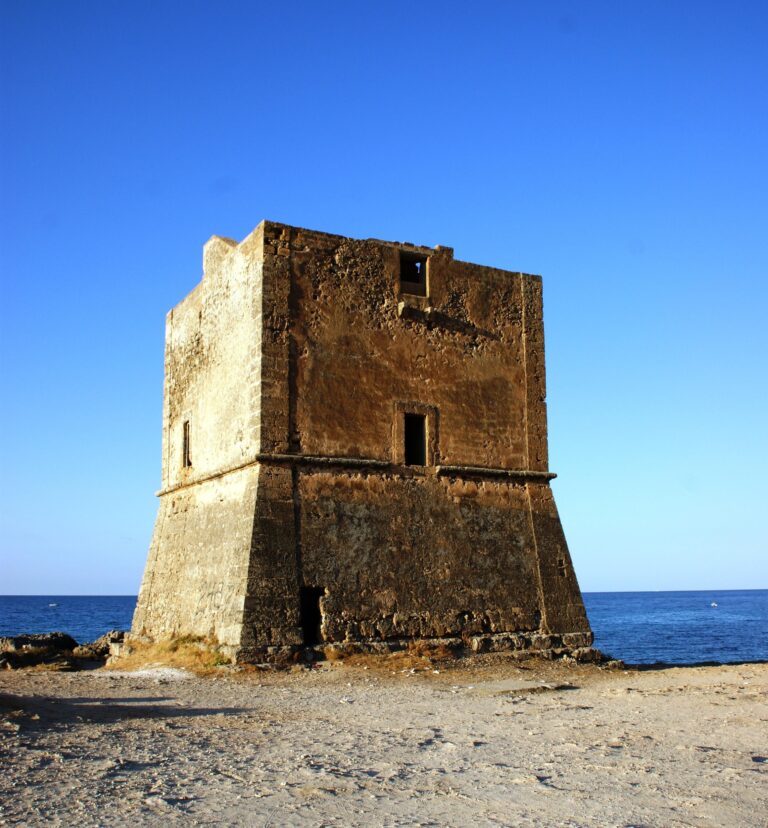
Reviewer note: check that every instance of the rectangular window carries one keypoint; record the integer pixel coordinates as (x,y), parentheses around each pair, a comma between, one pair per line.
(415,435)
(413,273)
(185,451)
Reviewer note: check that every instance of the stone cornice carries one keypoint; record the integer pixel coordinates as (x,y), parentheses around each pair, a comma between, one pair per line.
(369,464)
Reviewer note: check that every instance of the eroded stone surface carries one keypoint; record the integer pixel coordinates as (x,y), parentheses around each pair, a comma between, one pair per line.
(291,370)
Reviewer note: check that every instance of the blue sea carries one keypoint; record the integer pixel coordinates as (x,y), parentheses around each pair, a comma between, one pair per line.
(723,626)
(637,627)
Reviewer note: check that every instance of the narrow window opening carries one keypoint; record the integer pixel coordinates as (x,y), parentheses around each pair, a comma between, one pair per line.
(413,273)
(561,567)
(185,452)
(311,616)
(415,432)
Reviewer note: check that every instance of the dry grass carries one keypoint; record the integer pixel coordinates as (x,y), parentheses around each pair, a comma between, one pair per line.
(198,655)
(432,652)
(420,655)
(202,656)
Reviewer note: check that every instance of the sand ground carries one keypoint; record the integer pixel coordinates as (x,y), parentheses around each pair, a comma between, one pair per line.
(487,742)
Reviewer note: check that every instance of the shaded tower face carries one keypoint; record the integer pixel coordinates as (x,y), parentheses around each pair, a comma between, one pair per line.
(355,450)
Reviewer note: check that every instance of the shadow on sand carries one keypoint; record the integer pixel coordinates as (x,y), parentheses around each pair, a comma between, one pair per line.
(39,712)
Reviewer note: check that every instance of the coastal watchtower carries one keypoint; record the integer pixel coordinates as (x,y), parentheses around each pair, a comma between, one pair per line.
(355,450)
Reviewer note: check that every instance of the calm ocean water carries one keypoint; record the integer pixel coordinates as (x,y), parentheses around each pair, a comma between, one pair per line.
(681,627)
(84,617)
(638,627)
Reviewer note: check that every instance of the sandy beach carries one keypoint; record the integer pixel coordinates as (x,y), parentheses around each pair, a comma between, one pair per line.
(481,742)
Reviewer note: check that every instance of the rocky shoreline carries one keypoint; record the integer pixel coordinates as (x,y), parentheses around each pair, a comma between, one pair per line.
(60,651)
(56,650)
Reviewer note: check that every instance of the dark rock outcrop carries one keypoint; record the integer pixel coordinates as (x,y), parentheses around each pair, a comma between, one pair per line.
(52,649)
(55,650)
(99,649)
(56,641)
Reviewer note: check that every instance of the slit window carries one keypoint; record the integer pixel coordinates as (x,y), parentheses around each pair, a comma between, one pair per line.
(186,455)
(415,436)
(413,273)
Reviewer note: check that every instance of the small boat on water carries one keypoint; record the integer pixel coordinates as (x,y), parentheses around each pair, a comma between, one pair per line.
(53,605)
(713,604)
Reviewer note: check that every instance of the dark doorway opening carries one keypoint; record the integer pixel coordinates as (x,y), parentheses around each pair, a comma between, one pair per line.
(415,440)
(310,615)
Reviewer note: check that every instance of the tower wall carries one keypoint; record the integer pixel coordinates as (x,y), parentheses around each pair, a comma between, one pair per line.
(420,556)
(468,544)
(295,363)
(196,577)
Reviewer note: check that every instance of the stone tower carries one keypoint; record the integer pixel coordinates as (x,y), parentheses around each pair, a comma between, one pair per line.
(355,450)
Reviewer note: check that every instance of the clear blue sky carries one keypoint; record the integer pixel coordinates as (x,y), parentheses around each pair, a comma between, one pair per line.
(620,150)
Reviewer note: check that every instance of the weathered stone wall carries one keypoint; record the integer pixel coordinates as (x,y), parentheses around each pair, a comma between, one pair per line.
(212,365)
(466,356)
(404,551)
(196,576)
(294,362)
(418,556)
